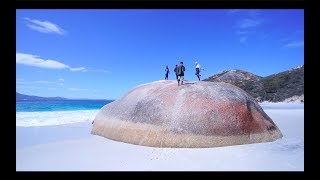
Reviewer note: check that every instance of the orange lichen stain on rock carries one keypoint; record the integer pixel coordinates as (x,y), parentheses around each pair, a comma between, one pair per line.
(230,118)
(249,124)
(208,121)
(227,120)
(264,125)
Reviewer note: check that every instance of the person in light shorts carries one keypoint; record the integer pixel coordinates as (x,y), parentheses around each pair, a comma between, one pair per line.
(198,69)
(181,70)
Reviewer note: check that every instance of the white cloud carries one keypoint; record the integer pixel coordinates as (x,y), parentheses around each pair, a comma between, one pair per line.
(82,69)
(234,11)
(101,70)
(301,31)
(43,82)
(33,60)
(44,26)
(36,61)
(249,23)
(95,91)
(77,89)
(263,36)
(243,39)
(254,13)
(27,87)
(59,82)
(242,32)
(299,34)
(294,44)
(251,13)
(34,82)
(52,89)
(23,82)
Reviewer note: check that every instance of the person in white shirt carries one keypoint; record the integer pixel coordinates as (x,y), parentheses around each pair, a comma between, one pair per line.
(198,69)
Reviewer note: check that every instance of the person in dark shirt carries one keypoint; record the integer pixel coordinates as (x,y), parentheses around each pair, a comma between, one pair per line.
(176,71)
(167,73)
(181,70)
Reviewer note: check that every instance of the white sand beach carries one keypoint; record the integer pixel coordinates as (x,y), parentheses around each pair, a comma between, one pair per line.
(71,147)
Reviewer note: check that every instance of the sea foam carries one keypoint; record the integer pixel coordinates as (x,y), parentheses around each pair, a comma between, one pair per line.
(48,118)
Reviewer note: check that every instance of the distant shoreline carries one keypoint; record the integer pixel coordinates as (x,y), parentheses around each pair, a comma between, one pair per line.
(24,97)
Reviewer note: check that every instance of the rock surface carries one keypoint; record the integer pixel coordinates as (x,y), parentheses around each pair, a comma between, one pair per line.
(197,114)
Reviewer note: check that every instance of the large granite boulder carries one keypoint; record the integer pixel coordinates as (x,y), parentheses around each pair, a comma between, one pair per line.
(198,114)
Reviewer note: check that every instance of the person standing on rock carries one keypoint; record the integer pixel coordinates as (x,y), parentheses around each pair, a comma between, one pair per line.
(176,71)
(181,70)
(167,73)
(198,69)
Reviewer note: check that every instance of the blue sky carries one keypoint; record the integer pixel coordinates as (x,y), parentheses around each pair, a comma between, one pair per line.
(101,54)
